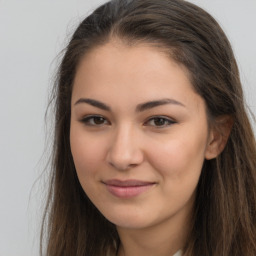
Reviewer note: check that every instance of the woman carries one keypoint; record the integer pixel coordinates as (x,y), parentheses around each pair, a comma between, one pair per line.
(153,152)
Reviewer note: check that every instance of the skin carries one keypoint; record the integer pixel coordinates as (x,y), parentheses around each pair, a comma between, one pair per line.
(128,142)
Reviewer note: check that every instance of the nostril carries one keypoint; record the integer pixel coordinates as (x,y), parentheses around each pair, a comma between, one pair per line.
(122,166)
(125,161)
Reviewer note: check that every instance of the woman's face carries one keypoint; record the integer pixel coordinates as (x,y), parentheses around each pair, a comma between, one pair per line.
(139,135)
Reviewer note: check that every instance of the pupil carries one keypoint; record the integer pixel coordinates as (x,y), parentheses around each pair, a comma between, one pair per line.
(159,121)
(98,120)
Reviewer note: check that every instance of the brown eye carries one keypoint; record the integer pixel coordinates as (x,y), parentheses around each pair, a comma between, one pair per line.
(94,121)
(98,120)
(159,122)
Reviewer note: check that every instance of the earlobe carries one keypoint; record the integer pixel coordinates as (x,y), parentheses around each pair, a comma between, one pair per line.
(218,136)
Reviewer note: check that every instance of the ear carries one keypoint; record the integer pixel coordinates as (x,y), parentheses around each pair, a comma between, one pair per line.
(218,136)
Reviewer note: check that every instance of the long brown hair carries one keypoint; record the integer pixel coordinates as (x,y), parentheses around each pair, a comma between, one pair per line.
(225,207)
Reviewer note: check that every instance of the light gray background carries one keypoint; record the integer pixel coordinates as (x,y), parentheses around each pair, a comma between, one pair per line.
(32,33)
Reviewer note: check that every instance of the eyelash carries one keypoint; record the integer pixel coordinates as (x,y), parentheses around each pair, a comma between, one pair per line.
(166,120)
(103,121)
(88,119)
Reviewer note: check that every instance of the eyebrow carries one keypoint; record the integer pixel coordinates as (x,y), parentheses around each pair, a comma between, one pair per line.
(94,103)
(156,103)
(140,108)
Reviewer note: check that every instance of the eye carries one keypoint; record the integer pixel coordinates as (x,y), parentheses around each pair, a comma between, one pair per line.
(95,120)
(159,121)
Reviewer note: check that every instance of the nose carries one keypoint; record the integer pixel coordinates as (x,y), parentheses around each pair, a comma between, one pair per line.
(125,149)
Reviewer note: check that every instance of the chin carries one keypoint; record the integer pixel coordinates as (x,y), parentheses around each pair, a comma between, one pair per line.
(130,220)
(131,224)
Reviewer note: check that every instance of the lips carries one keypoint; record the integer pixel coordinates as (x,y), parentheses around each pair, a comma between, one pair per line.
(127,188)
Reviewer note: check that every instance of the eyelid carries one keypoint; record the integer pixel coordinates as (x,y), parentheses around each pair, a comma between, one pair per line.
(86,120)
(170,121)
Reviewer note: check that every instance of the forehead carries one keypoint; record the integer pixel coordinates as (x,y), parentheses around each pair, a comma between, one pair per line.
(117,70)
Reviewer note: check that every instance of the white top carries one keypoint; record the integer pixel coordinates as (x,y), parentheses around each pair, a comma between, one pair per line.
(178,253)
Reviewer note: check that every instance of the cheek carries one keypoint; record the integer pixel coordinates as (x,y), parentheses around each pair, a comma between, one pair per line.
(179,166)
(87,152)
(179,158)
